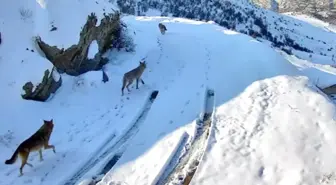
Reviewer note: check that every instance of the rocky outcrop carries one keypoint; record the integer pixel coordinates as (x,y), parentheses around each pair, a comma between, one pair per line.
(44,89)
(73,60)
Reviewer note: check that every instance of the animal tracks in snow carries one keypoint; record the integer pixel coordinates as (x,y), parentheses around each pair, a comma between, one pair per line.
(114,147)
(161,50)
(184,159)
(241,137)
(207,63)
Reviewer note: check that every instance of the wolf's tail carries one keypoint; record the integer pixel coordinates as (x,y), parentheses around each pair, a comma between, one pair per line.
(13,158)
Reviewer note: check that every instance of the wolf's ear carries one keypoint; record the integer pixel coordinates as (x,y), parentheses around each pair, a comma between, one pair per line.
(51,120)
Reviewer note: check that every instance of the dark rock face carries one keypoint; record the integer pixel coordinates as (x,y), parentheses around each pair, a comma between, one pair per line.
(43,90)
(74,60)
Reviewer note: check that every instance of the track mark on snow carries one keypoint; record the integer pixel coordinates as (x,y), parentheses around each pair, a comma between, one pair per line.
(181,170)
(182,147)
(207,62)
(111,163)
(114,147)
(161,49)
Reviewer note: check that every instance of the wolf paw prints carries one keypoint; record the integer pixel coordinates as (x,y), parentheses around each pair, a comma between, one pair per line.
(161,50)
(7,138)
(207,63)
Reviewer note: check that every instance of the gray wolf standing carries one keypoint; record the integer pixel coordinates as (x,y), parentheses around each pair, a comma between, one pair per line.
(133,74)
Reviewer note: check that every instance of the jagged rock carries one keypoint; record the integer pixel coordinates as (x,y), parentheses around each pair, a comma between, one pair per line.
(50,51)
(43,90)
(73,60)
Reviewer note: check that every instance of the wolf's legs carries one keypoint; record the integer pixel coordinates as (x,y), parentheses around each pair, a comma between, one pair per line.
(47,146)
(24,158)
(40,153)
(129,83)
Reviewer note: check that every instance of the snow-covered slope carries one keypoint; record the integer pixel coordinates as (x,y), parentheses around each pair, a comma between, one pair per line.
(314,21)
(282,31)
(230,63)
(264,137)
(225,101)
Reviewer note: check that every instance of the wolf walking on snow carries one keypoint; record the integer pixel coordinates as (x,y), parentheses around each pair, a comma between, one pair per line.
(135,73)
(39,140)
(162,28)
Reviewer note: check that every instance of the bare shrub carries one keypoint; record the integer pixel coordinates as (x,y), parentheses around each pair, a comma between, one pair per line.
(25,13)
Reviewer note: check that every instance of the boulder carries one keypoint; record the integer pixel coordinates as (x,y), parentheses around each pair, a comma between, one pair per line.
(44,89)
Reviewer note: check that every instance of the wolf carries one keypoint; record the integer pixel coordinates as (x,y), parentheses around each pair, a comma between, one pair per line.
(133,74)
(39,140)
(162,28)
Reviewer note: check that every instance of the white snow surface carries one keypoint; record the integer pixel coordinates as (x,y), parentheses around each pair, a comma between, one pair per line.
(263,136)
(271,124)
(93,49)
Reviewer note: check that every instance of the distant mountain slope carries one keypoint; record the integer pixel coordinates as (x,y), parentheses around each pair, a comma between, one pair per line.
(298,5)
(322,9)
